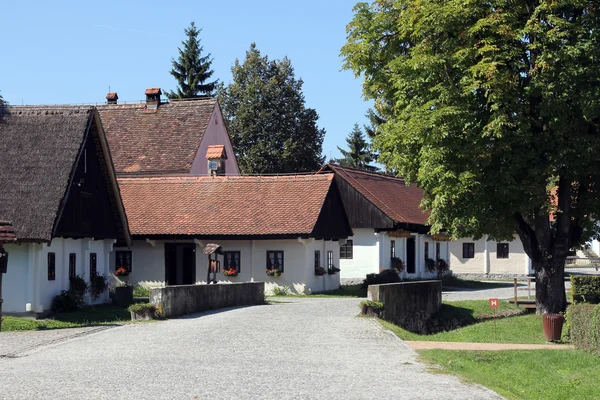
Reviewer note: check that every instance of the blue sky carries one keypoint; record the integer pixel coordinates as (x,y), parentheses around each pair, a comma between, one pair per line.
(66,52)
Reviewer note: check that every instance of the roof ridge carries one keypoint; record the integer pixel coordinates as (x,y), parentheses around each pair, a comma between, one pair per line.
(209,178)
(365,172)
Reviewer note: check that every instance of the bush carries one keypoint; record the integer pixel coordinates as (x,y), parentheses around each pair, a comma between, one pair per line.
(98,285)
(375,305)
(384,276)
(281,290)
(78,285)
(585,289)
(67,300)
(141,291)
(583,327)
(430,265)
(142,308)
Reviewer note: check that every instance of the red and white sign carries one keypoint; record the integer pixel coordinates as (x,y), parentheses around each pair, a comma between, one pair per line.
(493,303)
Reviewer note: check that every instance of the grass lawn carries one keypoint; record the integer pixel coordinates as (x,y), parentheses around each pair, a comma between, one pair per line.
(531,374)
(522,328)
(344,291)
(89,316)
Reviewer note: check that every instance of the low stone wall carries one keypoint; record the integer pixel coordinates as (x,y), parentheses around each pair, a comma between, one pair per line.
(173,301)
(408,304)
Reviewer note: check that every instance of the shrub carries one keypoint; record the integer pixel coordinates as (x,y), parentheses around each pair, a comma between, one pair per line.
(78,285)
(67,300)
(142,308)
(384,276)
(585,289)
(583,326)
(141,291)
(397,264)
(441,266)
(281,290)
(430,265)
(375,305)
(98,285)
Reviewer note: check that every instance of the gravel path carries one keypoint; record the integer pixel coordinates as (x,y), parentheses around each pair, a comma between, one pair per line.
(300,349)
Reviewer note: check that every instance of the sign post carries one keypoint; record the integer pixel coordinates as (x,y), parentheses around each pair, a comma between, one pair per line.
(494,306)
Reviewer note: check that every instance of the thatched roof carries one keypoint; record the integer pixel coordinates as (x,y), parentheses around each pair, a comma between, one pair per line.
(39,149)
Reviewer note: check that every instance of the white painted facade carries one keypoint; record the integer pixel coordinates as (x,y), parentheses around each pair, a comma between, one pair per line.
(148,263)
(595,246)
(486,261)
(372,252)
(26,286)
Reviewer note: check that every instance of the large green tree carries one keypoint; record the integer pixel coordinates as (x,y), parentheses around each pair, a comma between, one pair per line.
(271,129)
(192,70)
(359,153)
(493,108)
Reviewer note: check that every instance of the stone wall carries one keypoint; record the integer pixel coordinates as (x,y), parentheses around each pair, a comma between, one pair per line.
(408,304)
(173,301)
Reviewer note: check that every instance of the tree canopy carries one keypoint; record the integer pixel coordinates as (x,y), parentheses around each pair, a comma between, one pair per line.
(191,69)
(1,100)
(271,129)
(493,108)
(359,153)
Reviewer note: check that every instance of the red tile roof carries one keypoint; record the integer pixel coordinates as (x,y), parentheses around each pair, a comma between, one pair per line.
(216,151)
(112,96)
(166,141)
(244,205)
(389,193)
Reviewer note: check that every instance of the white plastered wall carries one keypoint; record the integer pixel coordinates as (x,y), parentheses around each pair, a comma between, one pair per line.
(486,260)
(26,286)
(148,263)
(366,253)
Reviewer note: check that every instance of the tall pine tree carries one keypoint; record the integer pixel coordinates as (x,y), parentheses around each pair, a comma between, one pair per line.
(271,129)
(359,153)
(191,70)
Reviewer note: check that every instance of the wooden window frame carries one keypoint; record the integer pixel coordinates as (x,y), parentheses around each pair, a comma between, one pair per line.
(502,250)
(317,258)
(239,260)
(275,253)
(468,250)
(329,259)
(72,265)
(347,250)
(426,250)
(51,266)
(437,251)
(128,260)
(392,249)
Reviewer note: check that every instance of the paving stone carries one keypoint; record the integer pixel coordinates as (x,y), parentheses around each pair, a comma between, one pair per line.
(297,349)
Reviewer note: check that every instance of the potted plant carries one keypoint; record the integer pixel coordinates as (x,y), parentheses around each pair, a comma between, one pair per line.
(398,264)
(121,271)
(230,272)
(441,267)
(371,308)
(333,270)
(319,271)
(273,272)
(98,285)
(430,265)
(142,311)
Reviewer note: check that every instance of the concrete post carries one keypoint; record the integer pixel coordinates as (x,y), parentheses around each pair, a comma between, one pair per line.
(486,256)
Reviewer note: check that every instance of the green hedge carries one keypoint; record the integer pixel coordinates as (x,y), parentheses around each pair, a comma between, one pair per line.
(585,289)
(583,326)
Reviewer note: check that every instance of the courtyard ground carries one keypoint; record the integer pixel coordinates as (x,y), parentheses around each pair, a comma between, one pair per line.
(293,349)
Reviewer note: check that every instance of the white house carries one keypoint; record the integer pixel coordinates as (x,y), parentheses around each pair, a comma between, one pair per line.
(387,222)
(58,189)
(289,224)
(488,257)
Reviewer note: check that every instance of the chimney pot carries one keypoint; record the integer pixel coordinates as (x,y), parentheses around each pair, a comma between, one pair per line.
(112,97)
(153,98)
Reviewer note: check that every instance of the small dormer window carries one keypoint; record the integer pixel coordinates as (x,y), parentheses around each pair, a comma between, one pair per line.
(216,157)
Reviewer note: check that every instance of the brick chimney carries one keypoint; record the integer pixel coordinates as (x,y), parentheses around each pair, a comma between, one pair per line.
(111,98)
(153,98)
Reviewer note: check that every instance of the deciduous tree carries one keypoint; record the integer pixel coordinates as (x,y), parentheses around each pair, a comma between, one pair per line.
(271,129)
(192,70)
(493,108)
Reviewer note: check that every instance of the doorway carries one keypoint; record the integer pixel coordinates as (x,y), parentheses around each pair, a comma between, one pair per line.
(180,263)
(410,255)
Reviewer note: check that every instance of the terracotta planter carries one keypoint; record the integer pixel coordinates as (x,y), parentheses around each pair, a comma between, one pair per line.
(553,324)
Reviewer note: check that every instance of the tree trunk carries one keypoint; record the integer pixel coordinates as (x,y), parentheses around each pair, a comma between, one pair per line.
(550,286)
